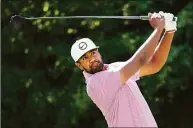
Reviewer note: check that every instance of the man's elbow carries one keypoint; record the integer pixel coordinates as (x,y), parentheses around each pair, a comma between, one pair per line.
(157,68)
(131,67)
(157,64)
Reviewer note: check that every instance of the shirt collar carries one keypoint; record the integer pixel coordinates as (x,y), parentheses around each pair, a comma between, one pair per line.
(87,75)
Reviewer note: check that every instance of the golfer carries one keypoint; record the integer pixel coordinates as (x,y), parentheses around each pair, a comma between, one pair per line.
(112,87)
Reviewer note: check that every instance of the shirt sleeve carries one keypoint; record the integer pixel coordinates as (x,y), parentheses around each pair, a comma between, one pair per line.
(135,77)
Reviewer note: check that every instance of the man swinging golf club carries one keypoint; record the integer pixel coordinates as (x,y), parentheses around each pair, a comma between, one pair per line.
(112,87)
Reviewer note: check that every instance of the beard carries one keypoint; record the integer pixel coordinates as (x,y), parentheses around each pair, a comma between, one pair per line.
(95,67)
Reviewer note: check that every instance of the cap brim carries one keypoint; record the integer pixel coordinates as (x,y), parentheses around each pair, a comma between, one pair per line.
(88,51)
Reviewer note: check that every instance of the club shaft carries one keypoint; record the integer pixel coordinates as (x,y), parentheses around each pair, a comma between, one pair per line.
(103,17)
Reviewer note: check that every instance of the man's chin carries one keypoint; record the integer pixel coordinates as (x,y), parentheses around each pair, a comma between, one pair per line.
(95,71)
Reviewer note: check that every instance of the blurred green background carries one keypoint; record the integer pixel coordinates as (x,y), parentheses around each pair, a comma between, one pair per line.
(42,88)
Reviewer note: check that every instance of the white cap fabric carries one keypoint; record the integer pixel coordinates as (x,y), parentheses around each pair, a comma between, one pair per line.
(80,47)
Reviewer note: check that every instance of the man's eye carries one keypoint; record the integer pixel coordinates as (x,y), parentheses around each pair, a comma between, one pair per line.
(84,58)
(93,52)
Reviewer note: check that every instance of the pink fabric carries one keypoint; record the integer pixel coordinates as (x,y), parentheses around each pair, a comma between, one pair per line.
(122,106)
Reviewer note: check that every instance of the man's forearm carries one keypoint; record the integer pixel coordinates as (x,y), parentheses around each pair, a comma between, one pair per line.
(147,49)
(142,55)
(162,50)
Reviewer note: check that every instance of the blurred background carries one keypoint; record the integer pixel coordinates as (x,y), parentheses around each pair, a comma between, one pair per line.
(42,88)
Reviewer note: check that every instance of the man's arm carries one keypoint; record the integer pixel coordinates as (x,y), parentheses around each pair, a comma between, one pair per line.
(160,56)
(144,53)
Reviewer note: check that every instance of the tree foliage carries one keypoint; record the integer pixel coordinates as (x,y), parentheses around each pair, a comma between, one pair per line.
(42,88)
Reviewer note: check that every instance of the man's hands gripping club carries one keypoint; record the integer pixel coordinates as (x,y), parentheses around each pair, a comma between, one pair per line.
(156,20)
(143,54)
(170,24)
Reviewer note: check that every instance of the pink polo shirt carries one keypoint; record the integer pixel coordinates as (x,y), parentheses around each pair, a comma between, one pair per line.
(121,105)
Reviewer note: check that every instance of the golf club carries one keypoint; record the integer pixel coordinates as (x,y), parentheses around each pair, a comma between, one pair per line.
(18,20)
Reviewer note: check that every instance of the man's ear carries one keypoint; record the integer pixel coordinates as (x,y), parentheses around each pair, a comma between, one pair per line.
(79,65)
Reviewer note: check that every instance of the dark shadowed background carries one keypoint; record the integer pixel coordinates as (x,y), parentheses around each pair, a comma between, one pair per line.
(41,87)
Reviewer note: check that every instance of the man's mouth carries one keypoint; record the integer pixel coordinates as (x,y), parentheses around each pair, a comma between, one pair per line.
(95,64)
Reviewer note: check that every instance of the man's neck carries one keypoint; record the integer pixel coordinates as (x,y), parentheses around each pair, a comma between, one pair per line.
(105,67)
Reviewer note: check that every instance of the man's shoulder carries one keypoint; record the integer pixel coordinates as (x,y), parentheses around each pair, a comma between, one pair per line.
(102,76)
(119,63)
(116,65)
(106,74)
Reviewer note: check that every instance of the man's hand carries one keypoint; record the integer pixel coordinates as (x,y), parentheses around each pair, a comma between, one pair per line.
(170,25)
(156,20)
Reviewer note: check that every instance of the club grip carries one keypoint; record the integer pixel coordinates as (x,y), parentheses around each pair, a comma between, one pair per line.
(146,18)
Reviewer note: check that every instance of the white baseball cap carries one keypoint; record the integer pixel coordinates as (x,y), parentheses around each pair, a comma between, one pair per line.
(80,47)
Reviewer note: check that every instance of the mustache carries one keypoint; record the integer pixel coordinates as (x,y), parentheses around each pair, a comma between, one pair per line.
(93,62)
